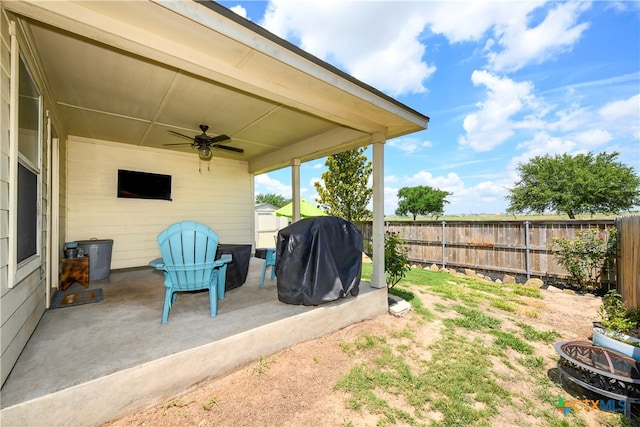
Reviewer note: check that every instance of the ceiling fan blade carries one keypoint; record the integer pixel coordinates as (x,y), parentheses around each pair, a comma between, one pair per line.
(226,147)
(184,144)
(179,134)
(218,138)
(204,140)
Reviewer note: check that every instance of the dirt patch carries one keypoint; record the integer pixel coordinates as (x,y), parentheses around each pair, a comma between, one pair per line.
(296,386)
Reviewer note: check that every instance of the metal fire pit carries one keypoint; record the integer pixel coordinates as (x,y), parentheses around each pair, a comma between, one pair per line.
(600,370)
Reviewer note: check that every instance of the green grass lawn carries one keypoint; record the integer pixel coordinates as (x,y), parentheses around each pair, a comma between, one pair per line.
(465,376)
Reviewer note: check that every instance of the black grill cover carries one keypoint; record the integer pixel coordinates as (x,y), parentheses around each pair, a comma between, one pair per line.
(318,260)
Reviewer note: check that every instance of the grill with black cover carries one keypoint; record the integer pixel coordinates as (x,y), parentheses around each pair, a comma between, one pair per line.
(318,260)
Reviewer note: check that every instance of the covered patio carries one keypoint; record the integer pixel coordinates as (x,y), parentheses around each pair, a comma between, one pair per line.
(92,363)
(111,86)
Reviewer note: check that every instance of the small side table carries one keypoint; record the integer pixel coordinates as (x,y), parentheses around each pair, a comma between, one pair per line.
(74,270)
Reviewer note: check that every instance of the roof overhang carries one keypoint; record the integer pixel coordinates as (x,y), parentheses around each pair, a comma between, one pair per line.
(131,71)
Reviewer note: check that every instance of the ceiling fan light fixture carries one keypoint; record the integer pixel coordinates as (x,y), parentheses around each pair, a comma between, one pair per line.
(204,152)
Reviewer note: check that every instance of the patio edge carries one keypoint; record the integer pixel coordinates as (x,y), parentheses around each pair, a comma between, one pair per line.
(118,394)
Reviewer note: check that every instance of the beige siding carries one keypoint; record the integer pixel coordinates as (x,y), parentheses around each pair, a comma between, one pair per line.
(221,197)
(9,332)
(22,305)
(22,308)
(4,148)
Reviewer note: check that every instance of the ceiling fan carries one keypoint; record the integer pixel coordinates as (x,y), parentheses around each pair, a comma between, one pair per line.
(205,143)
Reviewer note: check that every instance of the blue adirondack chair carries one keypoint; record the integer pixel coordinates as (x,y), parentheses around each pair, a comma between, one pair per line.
(269,261)
(188,260)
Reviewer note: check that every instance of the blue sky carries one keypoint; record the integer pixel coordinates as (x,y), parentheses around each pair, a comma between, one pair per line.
(501,81)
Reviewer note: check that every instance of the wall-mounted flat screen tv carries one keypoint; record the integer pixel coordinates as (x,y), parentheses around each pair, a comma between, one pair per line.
(143,185)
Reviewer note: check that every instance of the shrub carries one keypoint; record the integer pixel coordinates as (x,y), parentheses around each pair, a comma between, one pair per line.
(585,256)
(615,315)
(396,263)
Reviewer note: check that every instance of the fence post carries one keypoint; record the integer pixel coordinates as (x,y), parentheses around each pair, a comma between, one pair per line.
(526,248)
(444,261)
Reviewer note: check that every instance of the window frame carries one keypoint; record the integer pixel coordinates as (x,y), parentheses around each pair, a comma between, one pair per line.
(18,271)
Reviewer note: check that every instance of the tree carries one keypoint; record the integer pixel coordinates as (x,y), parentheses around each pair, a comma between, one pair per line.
(575,185)
(421,200)
(345,192)
(273,199)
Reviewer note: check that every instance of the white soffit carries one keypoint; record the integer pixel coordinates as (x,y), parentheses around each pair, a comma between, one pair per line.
(130,71)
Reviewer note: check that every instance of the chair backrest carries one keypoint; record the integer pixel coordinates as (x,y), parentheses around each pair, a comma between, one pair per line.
(188,251)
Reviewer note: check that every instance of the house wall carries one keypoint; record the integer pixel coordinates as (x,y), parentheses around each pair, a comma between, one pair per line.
(23,304)
(221,197)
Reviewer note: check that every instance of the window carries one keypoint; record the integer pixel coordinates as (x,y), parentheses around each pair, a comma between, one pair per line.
(27,242)
(26,136)
(28,165)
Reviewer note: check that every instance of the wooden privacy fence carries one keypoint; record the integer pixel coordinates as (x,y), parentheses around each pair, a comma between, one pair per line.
(628,259)
(514,247)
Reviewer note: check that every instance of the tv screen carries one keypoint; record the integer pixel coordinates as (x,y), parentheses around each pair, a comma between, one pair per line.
(143,185)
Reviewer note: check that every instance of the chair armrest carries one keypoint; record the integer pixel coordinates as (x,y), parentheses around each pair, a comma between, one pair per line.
(157,263)
(224,259)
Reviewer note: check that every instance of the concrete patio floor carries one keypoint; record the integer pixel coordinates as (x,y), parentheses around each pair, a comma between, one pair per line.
(89,364)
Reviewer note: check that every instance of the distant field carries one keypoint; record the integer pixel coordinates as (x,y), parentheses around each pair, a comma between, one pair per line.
(502,217)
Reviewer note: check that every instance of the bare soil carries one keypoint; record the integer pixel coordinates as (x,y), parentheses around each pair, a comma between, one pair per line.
(295,387)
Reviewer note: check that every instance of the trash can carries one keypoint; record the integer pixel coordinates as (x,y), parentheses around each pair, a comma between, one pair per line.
(318,260)
(99,253)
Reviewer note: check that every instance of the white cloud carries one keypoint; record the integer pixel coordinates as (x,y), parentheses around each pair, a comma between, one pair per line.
(391,179)
(463,199)
(264,184)
(542,144)
(449,182)
(477,198)
(522,45)
(470,21)
(591,139)
(622,116)
(626,108)
(315,179)
(239,10)
(380,42)
(494,122)
(383,44)
(390,200)
(588,130)
(400,58)
(377,42)
(409,144)
(510,42)
(461,164)
(570,118)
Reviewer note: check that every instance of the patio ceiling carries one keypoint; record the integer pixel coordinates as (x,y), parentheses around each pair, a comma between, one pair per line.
(130,72)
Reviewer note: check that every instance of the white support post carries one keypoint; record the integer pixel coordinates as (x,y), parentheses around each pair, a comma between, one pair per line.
(295,190)
(378,278)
